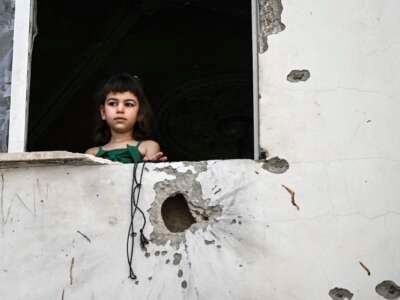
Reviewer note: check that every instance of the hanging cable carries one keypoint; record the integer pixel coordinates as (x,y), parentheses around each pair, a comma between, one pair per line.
(130,241)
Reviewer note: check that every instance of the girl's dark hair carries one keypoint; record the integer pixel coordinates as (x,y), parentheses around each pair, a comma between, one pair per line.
(121,83)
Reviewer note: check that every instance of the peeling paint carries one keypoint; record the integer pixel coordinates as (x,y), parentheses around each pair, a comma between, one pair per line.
(270,12)
(184,183)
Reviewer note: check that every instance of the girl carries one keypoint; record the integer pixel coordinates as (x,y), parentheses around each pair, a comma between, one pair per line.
(125,122)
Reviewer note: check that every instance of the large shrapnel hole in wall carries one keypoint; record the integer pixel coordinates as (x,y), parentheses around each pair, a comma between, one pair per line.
(194,59)
(176,214)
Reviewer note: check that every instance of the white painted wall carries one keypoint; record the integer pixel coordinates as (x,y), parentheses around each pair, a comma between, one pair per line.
(351,49)
(338,131)
(277,252)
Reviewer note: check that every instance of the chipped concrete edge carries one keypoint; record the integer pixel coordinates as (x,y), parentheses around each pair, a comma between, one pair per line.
(49,158)
(269,18)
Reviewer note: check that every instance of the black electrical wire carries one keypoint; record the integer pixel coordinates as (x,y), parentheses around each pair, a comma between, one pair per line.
(130,241)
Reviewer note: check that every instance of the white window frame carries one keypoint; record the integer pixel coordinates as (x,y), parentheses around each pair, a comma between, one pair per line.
(20,76)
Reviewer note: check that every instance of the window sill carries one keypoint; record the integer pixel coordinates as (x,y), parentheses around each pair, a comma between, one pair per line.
(47,158)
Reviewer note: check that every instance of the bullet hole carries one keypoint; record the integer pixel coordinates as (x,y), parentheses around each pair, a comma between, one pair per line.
(340,294)
(209,242)
(137,282)
(240,222)
(263,154)
(276,165)
(147,254)
(177,258)
(150,278)
(219,246)
(240,266)
(233,221)
(157,253)
(180,273)
(388,290)
(167,261)
(164,252)
(176,213)
(184,284)
(298,75)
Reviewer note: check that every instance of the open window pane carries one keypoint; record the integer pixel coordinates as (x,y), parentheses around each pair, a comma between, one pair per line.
(193,57)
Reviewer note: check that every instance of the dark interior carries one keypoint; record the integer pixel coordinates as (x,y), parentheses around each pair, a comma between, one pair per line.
(194,59)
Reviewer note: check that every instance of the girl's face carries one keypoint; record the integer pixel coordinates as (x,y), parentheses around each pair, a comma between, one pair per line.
(120,111)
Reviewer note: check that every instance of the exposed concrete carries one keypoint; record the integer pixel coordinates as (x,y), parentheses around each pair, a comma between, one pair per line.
(298,75)
(270,12)
(340,294)
(64,223)
(276,165)
(184,183)
(388,290)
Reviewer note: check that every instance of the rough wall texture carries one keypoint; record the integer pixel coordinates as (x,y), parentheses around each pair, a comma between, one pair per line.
(269,17)
(6,38)
(64,228)
(329,106)
(325,228)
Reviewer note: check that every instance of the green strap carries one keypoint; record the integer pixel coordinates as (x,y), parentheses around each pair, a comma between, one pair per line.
(135,153)
(129,154)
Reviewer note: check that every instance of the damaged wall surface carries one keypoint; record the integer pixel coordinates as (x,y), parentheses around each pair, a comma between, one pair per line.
(6,38)
(257,235)
(341,104)
(320,222)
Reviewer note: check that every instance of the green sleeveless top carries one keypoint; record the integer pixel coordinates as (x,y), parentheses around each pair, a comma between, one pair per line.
(127,155)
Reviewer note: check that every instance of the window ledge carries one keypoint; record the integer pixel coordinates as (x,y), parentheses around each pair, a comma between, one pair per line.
(45,158)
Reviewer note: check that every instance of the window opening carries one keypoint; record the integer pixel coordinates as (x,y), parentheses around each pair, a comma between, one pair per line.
(194,58)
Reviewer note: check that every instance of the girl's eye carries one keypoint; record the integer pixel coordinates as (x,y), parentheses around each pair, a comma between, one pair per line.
(112,103)
(130,104)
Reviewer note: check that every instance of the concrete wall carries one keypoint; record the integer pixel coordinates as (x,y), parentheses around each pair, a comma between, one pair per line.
(327,227)
(256,242)
(338,132)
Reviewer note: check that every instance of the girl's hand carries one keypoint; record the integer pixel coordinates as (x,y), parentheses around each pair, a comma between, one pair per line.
(157,156)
